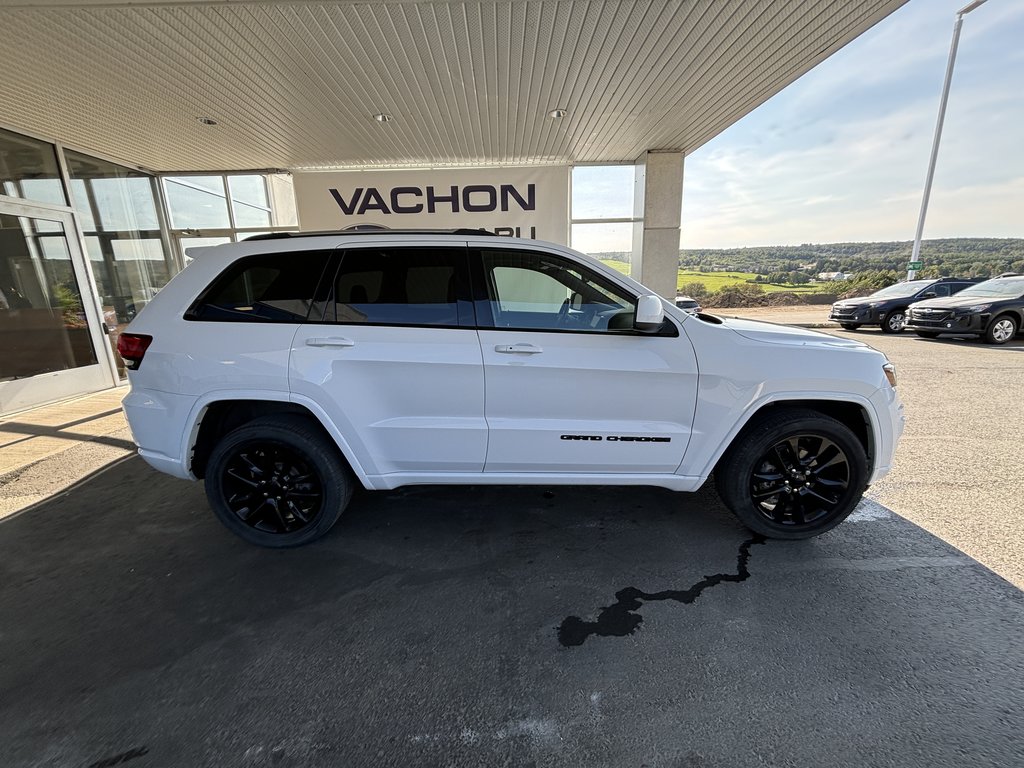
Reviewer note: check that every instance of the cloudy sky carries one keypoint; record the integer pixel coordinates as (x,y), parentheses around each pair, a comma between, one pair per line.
(841,154)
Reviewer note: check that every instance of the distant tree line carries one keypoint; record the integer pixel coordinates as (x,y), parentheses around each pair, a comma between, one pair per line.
(954,257)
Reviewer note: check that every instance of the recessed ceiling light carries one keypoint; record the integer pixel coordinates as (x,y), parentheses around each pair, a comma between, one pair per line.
(383,117)
(558,114)
(206,121)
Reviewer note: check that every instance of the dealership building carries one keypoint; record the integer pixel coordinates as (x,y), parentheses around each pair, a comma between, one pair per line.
(133,131)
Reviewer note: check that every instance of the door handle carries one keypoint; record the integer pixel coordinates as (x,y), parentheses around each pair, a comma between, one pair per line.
(329,341)
(518,349)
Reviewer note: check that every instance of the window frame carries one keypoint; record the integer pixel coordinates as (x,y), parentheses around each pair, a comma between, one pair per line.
(237,267)
(485,315)
(465,311)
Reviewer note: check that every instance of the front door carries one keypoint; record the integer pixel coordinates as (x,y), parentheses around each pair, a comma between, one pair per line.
(393,357)
(51,337)
(571,387)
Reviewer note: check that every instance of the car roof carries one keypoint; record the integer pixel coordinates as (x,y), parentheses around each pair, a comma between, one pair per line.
(380,231)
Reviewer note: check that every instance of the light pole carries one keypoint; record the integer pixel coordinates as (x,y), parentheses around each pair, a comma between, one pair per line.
(916,254)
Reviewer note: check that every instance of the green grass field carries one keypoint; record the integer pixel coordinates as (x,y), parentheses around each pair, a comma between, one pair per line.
(715,280)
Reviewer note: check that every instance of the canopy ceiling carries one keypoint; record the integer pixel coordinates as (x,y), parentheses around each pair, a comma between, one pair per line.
(297,84)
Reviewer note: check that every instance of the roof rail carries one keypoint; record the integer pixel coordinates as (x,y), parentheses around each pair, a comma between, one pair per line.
(463,231)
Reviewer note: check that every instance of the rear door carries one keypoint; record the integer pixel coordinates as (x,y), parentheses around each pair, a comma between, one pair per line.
(571,387)
(391,353)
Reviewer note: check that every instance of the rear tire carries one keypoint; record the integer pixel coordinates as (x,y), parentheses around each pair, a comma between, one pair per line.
(792,474)
(1000,330)
(850,326)
(278,481)
(893,322)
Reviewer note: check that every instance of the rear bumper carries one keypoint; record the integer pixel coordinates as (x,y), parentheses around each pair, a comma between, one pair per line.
(157,421)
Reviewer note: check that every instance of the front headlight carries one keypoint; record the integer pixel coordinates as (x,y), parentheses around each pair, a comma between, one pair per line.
(975,308)
(890,374)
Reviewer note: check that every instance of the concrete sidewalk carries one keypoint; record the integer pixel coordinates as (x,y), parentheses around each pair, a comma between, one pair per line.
(44,450)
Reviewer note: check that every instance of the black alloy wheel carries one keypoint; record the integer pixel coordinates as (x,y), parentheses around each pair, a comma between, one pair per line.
(278,481)
(272,487)
(894,321)
(793,473)
(800,480)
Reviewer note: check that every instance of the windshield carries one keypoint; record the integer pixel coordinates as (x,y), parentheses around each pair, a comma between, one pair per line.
(901,290)
(1003,288)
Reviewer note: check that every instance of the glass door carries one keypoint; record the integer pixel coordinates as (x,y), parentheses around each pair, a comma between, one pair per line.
(51,336)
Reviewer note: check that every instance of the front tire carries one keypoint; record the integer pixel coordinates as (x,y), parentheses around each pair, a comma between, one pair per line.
(894,321)
(278,481)
(850,326)
(927,334)
(793,474)
(1000,330)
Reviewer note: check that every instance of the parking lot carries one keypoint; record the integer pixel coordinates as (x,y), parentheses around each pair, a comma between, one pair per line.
(539,626)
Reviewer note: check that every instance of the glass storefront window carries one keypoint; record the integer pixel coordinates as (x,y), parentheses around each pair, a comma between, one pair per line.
(249,201)
(603,221)
(118,210)
(29,169)
(224,208)
(197,202)
(609,241)
(43,326)
(602,191)
(240,201)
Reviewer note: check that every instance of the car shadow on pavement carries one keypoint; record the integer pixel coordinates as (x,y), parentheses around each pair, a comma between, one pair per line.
(1010,346)
(478,626)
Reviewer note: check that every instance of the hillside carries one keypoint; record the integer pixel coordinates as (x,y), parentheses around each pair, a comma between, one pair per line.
(961,257)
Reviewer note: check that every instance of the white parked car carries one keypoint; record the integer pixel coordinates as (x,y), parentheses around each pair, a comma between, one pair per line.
(285,369)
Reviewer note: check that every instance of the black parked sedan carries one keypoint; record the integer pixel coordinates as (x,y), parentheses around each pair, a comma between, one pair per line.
(888,307)
(993,310)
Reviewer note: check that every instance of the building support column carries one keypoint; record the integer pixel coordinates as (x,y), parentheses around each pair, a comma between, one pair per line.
(658,200)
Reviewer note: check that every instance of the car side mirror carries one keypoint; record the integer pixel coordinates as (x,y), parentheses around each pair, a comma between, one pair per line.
(929,295)
(650,313)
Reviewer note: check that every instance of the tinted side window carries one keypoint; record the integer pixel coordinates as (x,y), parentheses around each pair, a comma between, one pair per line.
(398,286)
(532,290)
(276,287)
(939,289)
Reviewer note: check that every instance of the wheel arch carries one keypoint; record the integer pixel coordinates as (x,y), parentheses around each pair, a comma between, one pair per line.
(858,416)
(1016,313)
(218,415)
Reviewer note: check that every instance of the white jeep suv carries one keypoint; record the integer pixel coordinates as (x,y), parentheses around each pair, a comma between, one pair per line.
(286,368)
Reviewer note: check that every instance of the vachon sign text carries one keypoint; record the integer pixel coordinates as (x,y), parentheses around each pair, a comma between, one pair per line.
(473,198)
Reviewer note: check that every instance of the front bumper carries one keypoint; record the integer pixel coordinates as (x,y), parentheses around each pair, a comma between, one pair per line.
(946,321)
(858,315)
(890,423)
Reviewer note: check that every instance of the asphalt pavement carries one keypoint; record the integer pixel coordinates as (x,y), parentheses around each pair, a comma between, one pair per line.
(495,627)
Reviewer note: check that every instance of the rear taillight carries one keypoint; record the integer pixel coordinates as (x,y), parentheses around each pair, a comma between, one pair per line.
(132,348)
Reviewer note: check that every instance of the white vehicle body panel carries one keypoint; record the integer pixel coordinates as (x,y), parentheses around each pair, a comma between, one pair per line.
(409,399)
(579,385)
